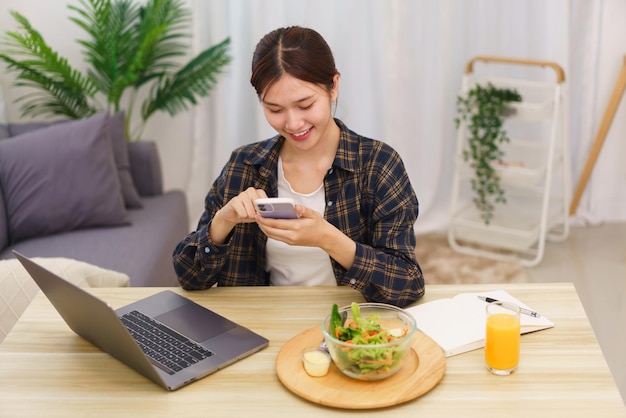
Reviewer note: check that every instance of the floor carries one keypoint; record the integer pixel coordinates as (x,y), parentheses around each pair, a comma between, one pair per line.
(594,259)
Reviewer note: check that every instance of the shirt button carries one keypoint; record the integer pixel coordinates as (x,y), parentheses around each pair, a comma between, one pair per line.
(330,203)
(352,281)
(330,171)
(207,250)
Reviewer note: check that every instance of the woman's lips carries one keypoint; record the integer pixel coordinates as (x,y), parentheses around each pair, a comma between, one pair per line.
(301,136)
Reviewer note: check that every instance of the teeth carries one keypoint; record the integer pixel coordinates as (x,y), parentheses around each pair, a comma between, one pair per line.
(302,133)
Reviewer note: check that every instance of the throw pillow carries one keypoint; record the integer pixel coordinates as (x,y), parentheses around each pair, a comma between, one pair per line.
(120,153)
(17,288)
(60,178)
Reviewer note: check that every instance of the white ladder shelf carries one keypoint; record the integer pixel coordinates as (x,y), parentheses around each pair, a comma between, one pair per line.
(535,175)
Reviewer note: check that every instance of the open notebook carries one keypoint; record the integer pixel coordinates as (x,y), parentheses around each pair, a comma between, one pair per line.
(458,324)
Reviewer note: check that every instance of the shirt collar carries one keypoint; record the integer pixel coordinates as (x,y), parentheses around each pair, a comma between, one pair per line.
(266,154)
(348,150)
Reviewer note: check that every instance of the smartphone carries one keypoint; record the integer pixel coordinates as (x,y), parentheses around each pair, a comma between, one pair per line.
(276,207)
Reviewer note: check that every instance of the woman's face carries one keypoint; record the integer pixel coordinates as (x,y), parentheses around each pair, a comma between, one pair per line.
(300,111)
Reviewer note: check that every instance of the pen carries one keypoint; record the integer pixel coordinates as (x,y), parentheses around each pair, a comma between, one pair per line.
(522,310)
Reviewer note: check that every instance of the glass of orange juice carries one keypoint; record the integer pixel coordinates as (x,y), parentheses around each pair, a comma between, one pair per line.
(502,340)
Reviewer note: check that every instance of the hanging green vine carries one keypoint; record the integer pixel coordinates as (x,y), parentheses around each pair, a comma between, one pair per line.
(483,110)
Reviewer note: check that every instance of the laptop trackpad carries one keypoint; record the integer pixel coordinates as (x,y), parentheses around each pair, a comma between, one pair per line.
(196,322)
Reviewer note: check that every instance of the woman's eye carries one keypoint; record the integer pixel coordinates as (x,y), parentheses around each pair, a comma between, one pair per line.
(275,110)
(307,107)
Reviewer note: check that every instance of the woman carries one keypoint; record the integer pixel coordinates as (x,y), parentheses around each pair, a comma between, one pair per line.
(355,203)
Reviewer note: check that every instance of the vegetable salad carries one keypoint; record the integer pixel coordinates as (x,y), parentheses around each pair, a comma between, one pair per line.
(363,332)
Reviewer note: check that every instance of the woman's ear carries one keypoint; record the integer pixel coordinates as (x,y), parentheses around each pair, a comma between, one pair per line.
(334,92)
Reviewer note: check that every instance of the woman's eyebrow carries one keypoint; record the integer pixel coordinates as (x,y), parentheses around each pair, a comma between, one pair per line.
(304,99)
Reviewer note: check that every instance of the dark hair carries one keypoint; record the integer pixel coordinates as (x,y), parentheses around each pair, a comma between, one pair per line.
(300,52)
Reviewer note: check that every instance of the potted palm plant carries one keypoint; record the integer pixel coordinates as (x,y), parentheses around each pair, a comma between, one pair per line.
(483,110)
(129,47)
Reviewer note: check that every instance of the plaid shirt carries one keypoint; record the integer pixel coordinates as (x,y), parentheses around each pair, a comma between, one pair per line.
(368,197)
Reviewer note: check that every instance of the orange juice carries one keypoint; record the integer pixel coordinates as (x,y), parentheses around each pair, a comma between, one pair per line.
(502,344)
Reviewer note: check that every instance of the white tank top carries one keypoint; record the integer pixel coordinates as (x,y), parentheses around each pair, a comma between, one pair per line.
(292,265)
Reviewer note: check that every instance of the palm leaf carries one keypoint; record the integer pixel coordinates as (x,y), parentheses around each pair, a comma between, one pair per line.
(194,80)
(158,34)
(111,45)
(64,89)
(130,45)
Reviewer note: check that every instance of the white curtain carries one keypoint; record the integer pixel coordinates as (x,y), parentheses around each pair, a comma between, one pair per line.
(401,63)
(598,54)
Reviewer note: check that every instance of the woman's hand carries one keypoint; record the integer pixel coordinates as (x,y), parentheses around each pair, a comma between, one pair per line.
(310,230)
(306,231)
(239,209)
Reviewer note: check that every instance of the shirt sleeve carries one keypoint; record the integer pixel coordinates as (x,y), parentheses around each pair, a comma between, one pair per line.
(197,260)
(385,268)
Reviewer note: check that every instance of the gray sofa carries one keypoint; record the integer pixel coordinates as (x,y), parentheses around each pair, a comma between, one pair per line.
(131,227)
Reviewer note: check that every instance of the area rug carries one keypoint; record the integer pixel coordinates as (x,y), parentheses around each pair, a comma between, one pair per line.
(442,265)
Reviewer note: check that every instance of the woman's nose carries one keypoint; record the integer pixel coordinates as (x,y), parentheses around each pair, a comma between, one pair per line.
(293,122)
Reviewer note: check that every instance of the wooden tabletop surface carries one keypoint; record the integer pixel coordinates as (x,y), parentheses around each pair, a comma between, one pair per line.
(47,371)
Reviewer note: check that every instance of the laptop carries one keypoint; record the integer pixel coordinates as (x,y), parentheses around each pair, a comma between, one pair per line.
(166,337)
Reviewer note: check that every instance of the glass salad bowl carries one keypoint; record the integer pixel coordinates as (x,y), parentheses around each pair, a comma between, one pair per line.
(369,341)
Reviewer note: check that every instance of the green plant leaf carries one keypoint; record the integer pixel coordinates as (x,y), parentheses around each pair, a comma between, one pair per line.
(196,79)
(110,46)
(481,110)
(62,90)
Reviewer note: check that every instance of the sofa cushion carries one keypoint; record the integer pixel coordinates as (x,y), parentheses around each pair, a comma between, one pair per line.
(60,178)
(120,152)
(17,288)
(16,129)
(4,131)
(4,223)
(146,168)
(122,162)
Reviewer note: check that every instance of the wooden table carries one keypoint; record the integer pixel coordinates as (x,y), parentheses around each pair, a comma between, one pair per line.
(47,371)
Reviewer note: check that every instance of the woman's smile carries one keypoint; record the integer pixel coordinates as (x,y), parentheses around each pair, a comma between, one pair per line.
(301,136)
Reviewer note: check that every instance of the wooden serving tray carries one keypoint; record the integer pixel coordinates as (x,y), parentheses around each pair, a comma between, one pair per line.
(423,369)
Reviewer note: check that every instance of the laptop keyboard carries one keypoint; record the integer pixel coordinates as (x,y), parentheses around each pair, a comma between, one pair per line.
(168,349)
